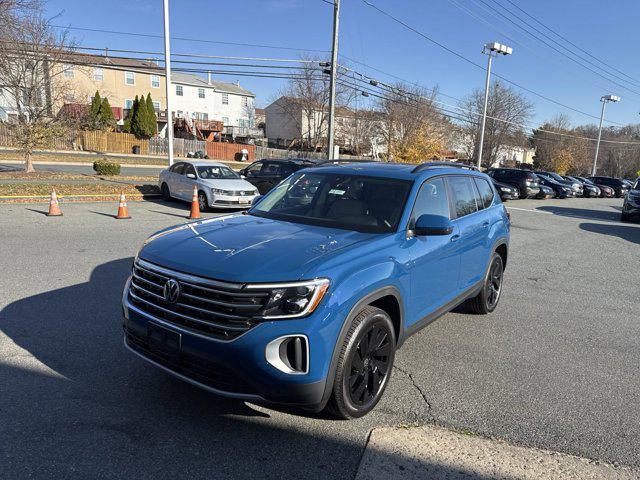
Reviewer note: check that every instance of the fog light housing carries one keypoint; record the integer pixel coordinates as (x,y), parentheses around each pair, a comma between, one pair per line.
(289,354)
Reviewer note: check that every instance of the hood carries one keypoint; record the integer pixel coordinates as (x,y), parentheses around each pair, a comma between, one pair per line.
(245,248)
(227,183)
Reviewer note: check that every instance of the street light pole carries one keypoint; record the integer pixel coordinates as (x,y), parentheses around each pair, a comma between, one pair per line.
(605,99)
(332,85)
(167,72)
(489,49)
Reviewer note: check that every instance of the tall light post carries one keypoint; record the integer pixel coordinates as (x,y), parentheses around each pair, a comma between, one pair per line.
(491,50)
(167,73)
(604,99)
(332,85)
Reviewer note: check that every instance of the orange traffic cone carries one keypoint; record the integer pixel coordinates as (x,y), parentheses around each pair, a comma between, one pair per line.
(123,210)
(54,208)
(195,206)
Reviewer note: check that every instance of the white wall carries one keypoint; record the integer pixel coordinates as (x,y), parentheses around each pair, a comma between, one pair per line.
(189,102)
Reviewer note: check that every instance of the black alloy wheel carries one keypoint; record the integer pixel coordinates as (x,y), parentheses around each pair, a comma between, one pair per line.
(364,365)
(487,300)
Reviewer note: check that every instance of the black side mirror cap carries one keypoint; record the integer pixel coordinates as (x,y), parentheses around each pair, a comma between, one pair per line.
(432,225)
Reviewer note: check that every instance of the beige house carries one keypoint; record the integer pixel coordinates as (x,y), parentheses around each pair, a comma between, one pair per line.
(118,79)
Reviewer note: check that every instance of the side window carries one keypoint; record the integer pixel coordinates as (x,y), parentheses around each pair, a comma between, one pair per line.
(486,192)
(432,199)
(463,194)
(188,168)
(286,169)
(254,170)
(177,168)
(270,168)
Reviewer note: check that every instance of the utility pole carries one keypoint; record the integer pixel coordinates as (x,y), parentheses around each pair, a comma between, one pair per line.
(167,73)
(489,49)
(332,85)
(605,99)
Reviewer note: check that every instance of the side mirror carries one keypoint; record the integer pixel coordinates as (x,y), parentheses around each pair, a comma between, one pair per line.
(432,225)
(256,199)
(191,176)
(243,172)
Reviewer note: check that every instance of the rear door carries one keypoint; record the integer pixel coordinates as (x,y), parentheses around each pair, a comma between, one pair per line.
(174,178)
(435,263)
(473,228)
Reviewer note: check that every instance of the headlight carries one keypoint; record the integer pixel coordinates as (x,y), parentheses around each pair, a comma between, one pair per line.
(505,189)
(217,191)
(292,300)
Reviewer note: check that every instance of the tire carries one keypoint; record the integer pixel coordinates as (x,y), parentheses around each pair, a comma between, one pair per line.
(164,190)
(487,300)
(364,365)
(203,202)
(624,217)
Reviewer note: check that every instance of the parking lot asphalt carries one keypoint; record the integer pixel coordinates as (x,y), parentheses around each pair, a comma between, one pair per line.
(555,366)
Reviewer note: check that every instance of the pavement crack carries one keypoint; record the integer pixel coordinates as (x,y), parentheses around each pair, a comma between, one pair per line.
(413,381)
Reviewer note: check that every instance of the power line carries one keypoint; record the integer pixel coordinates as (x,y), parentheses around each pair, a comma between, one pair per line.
(477,65)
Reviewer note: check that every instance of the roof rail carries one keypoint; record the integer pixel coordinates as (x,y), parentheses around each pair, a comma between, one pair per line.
(338,161)
(427,165)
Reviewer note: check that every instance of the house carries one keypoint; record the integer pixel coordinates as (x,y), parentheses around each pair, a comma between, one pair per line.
(203,100)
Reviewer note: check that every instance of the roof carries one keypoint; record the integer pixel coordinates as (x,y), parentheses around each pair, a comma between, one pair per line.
(202,163)
(291,160)
(198,81)
(403,171)
(106,61)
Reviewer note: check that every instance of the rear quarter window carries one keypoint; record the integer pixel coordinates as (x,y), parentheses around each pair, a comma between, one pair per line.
(486,192)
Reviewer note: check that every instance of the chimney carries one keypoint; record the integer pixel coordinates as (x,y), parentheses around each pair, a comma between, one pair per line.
(209,78)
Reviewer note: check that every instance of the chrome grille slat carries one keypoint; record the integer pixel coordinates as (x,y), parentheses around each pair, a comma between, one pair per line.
(211,307)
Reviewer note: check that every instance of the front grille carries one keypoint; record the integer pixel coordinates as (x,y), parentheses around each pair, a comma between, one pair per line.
(216,309)
(241,193)
(203,371)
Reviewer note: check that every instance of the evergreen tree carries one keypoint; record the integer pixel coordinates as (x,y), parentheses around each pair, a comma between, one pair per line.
(152,118)
(134,116)
(94,111)
(106,114)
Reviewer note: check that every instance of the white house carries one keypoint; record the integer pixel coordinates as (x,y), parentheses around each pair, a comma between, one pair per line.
(205,99)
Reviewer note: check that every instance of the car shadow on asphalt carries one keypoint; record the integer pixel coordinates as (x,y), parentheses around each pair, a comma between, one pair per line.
(87,408)
(584,213)
(630,233)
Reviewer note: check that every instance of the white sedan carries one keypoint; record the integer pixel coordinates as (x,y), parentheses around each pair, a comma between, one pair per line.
(218,186)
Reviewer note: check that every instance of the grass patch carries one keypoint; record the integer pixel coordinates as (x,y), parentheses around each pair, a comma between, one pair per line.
(61,176)
(28,189)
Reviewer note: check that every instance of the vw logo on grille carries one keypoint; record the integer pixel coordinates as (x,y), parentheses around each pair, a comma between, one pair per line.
(171,291)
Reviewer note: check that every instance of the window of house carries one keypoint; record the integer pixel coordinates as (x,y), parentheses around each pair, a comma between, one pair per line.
(156,106)
(129,78)
(98,74)
(201,93)
(155,81)
(225,99)
(179,113)
(69,72)
(179,91)
(128,104)
(245,101)
(225,120)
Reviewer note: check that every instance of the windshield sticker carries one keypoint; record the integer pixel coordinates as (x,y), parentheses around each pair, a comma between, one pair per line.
(335,191)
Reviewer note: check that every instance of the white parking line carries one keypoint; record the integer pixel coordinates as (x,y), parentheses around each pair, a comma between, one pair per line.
(529,210)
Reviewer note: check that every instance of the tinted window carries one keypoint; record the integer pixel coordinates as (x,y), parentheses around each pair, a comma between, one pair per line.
(463,195)
(432,199)
(270,168)
(361,203)
(486,192)
(177,168)
(287,169)
(254,170)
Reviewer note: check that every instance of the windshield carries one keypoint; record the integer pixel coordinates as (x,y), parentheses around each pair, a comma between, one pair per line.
(555,176)
(216,172)
(352,202)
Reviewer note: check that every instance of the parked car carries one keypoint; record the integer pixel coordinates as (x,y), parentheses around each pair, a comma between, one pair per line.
(526,182)
(562,190)
(506,192)
(620,188)
(577,187)
(588,188)
(605,191)
(304,299)
(267,173)
(218,186)
(545,192)
(631,205)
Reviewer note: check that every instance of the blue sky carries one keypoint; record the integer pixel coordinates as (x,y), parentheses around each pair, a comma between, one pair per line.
(609,31)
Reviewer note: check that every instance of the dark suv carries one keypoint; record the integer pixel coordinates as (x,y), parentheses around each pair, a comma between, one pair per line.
(526,182)
(267,173)
(305,298)
(620,187)
(631,205)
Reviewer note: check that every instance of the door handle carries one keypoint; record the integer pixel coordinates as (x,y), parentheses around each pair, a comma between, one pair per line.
(485,224)
(455,238)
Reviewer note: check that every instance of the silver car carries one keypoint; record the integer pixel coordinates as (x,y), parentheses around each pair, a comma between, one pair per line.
(218,186)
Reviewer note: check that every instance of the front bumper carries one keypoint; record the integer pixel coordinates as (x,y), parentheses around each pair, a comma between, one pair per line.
(230,201)
(532,191)
(238,368)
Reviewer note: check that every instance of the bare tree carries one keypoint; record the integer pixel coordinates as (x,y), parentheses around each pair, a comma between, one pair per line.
(506,111)
(32,74)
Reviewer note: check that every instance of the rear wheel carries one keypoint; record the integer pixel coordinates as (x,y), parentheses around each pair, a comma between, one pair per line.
(365,363)
(487,300)
(164,190)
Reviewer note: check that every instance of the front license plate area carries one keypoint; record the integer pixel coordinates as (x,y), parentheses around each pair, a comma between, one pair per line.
(164,341)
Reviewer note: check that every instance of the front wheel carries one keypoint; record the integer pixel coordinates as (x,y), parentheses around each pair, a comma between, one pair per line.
(487,300)
(203,203)
(365,363)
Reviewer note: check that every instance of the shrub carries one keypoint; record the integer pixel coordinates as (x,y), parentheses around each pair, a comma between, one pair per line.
(105,167)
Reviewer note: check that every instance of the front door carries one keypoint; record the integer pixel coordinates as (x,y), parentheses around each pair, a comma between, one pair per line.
(435,261)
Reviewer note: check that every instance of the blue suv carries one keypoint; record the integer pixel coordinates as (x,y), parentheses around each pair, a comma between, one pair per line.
(304,299)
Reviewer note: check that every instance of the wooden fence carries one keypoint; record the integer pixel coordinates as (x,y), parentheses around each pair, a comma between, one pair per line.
(111,142)
(266,152)
(229,151)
